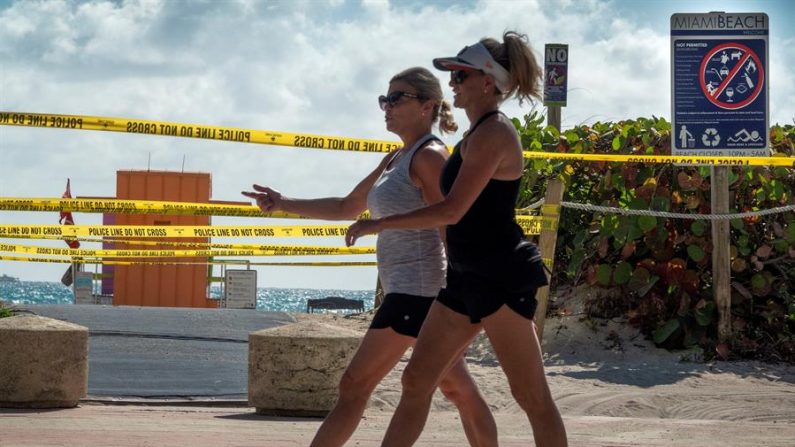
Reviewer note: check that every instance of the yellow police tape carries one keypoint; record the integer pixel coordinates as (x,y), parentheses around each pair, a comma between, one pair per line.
(547,261)
(267,250)
(199,131)
(159,243)
(208,262)
(119,206)
(163,128)
(664,159)
(175,231)
(531,225)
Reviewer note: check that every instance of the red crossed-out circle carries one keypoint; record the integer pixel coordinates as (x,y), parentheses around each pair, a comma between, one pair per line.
(748,54)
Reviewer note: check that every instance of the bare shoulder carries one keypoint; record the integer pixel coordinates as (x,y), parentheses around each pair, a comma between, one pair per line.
(433,150)
(497,134)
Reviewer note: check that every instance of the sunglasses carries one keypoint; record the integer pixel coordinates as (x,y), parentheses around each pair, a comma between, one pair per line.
(459,76)
(393,98)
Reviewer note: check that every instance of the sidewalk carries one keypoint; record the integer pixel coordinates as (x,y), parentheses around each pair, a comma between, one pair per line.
(94,425)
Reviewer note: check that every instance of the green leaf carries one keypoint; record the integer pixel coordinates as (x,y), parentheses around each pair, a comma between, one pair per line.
(603,274)
(609,224)
(737,224)
(641,281)
(663,332)
(617,143)
(661,204)
(638,204)
(758,281)
(789,233)
(575,262)
(695,252)
(647,223)
(571,136)
(553,131)
(706,315)
(623,273)
(780,245)
(698,227)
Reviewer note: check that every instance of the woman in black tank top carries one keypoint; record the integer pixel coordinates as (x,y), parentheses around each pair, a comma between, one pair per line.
(492,274)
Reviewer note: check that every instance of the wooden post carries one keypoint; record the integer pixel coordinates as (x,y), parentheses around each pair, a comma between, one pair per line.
(721,273)
(546,243)
(549,237)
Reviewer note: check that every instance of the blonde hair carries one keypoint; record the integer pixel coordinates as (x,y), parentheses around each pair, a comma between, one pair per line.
(428,87)
(516,56)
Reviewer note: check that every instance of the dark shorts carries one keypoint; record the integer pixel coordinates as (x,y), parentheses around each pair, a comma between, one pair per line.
(403,313)
(479,296)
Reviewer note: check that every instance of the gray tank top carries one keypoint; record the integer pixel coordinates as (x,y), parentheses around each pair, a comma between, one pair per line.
(409,261)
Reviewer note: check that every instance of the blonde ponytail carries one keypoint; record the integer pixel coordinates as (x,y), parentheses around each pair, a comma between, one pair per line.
(516,56)
(447,122)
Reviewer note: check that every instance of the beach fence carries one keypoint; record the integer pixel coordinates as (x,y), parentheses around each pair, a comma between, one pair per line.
(544,224)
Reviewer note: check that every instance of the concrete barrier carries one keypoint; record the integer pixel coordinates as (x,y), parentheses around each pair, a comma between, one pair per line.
(43,362)
(294,370)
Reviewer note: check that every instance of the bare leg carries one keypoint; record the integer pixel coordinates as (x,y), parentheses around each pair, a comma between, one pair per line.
(444,336)
(380,350)
(459,387)
(519,352)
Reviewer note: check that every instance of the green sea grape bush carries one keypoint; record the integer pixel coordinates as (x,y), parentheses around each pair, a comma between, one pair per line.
(662,267)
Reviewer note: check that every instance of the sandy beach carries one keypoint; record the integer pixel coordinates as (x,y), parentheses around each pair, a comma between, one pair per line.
(604,368)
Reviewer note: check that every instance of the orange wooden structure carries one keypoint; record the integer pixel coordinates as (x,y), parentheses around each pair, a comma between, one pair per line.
(162,285)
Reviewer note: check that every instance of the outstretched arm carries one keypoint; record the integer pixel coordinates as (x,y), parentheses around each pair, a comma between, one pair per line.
(330,208)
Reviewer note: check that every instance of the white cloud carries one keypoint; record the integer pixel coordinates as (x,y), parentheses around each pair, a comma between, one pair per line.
(302,67)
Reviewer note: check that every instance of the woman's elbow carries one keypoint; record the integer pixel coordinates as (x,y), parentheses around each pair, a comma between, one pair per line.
(350,210)
(451,216)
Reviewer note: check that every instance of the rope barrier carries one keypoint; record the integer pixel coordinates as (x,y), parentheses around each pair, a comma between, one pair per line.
(629,212)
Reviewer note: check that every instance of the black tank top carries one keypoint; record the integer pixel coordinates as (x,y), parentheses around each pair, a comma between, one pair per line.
(489,226)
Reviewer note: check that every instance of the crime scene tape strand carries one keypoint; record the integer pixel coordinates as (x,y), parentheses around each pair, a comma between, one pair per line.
(278,138)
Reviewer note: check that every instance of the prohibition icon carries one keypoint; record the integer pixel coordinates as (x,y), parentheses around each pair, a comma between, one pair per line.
(732,76)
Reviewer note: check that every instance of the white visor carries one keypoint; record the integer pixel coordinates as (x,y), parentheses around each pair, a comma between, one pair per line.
(477,57)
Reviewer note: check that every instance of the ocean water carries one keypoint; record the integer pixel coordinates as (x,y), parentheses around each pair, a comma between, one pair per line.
(268,298)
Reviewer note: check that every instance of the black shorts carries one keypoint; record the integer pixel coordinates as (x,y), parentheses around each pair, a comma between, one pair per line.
(478,296)
(403,313)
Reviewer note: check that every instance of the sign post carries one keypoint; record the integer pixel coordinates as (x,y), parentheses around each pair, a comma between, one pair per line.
(720,107)
(556,81)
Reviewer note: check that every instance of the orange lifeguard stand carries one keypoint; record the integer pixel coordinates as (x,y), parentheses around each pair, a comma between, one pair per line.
(162,285)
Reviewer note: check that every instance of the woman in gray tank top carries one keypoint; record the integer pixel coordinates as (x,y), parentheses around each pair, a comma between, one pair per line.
(411,263)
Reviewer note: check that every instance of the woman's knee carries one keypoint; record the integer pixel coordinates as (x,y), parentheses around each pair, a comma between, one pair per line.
(452,391)
(354,387)
(535,400)
(417,383)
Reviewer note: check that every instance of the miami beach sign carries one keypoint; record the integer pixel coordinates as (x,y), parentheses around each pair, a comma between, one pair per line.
(719,88)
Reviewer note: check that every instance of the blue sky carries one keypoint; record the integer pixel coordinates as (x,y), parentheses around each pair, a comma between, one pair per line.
(300,66)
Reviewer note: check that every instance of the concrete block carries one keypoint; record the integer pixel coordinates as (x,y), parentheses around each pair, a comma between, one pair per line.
(294,370)
(43,362)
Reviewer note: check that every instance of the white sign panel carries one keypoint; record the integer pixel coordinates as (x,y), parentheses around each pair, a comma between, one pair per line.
(240,289)
(83,288)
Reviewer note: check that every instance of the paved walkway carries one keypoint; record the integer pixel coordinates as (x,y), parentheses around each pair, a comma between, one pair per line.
(129,425)
(162,352)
